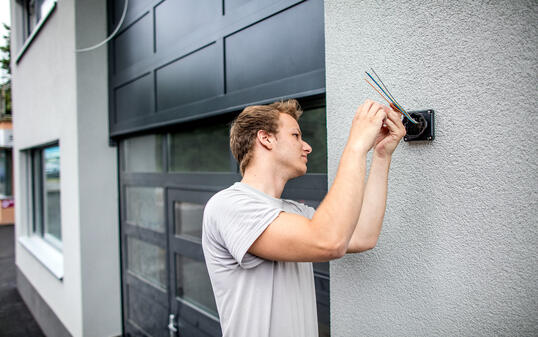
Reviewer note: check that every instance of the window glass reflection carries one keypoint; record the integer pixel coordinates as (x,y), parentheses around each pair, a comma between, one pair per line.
(147,261)
(143,154)
(188,219)
(145,207)
(314,129)
(203,149)
(51,191)
(194,285)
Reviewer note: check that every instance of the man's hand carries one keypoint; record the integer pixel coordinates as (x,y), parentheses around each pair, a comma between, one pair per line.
(390,135)
(366,125)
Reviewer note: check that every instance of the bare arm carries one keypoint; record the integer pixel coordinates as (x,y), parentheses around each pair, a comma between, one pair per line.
(373,208)
(326,236)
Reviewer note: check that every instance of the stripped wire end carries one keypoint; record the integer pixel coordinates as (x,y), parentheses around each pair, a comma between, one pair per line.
(395,108)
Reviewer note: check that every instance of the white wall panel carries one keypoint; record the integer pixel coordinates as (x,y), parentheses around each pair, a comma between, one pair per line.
(457,255)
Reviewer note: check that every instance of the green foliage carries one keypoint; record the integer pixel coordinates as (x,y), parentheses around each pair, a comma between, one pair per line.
(7,98)
(6,49)
(5,63)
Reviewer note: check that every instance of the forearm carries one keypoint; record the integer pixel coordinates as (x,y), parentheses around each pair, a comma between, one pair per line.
(373,207)
(337,215)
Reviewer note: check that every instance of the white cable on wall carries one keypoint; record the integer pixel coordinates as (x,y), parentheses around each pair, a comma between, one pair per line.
(111,35)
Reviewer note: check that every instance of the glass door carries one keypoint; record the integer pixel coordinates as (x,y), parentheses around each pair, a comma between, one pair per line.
(145,284)
(192,302)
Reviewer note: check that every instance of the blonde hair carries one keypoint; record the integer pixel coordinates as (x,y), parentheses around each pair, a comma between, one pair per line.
(252,119)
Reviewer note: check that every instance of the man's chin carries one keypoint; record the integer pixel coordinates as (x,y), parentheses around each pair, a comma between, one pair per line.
(300,173)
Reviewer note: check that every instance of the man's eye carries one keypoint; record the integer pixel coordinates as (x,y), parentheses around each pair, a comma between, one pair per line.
(296,135)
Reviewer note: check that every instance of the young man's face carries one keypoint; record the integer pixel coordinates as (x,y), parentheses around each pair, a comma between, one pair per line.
(291,151)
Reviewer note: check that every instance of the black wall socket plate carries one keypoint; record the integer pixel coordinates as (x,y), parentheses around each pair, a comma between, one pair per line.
(424,130)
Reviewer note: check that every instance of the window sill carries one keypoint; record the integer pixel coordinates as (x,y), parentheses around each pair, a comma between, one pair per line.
(47,255)
(36,30)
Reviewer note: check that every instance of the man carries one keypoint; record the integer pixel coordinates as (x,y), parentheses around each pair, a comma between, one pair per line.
(259,248)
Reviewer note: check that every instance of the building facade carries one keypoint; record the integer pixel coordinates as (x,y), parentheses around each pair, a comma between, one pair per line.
(67,253)
(117,149)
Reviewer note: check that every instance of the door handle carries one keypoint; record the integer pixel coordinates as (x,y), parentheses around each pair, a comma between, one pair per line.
(172,327)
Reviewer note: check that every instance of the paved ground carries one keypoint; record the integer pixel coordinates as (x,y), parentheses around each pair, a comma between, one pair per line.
(15,319)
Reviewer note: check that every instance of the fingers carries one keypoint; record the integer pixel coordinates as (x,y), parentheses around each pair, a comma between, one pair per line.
(395,108)
(395,124)
(394,116)
(391,125)
(372,110)
(380,111)
(368,105)
(364,107)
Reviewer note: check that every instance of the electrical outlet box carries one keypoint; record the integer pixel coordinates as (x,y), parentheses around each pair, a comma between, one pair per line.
(424,129)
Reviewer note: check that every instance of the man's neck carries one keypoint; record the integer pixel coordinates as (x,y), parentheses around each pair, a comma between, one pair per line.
(265,179)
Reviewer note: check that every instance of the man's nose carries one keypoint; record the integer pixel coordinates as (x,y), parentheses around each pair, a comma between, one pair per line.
(307,147)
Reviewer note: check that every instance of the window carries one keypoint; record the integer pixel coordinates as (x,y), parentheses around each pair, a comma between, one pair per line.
(44,180)
(200,149)
(31,15)
(314,129)
(5,173)
(143,154)
(34,11)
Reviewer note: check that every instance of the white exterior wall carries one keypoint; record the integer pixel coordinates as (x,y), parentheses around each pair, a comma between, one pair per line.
(44,110)
(98,194)
(458,252)
(61,95)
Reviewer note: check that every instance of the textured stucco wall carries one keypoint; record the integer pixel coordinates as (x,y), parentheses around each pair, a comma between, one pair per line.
(458,255)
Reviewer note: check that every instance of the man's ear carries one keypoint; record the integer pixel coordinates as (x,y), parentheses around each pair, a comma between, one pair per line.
(266,139)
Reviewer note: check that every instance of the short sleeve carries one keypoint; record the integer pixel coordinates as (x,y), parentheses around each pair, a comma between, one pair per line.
(308,211)
(242,220)
(301,209)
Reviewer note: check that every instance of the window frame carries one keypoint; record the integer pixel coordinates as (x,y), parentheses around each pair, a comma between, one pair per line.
(36,198)
(43,249)
(8,173)
(27,35)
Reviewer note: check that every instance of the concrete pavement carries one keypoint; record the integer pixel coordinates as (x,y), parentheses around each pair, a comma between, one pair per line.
(15,318)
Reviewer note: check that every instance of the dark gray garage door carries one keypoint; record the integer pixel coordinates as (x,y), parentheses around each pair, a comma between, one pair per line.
(166,180)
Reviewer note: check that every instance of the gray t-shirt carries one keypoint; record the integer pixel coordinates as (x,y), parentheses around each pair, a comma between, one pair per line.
(255,297)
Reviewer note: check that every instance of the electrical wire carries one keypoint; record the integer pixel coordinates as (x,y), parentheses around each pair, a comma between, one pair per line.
(388,95)
(384,86)
(394,107)
(380,94)
(111,35)
(391,99)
